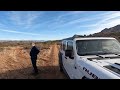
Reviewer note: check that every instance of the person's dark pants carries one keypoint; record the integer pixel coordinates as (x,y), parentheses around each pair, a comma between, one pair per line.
(33,60)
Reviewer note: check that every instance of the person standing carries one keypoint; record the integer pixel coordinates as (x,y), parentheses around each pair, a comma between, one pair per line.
(33,53)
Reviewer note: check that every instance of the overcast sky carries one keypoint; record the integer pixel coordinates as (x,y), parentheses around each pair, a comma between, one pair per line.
(53,25)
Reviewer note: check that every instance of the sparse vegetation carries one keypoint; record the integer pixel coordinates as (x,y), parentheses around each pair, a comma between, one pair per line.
(27,44)
(1,49)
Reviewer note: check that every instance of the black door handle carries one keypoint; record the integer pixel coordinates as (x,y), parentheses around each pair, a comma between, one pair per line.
(75,67)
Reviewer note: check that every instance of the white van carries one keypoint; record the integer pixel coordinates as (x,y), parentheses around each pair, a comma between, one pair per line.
(90,58)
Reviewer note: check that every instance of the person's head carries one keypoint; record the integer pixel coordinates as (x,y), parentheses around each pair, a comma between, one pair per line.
(33,44)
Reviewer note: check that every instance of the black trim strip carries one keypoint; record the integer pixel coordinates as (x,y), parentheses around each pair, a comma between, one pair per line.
(117,63)
(113,68)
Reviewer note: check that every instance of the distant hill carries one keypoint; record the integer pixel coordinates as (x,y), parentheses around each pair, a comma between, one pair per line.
(107,32)
(112,29)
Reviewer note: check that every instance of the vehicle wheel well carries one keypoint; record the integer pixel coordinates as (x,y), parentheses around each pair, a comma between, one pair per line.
(84,77)
(60,62)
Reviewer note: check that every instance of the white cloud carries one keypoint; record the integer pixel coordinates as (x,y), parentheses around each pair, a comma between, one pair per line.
(104,17)
(58,23)
(111,23)
(2,25)
(24,18)
(68,13)
(11,31)
(27,18)
(77,12)
(107,20)
(15,16)
(31,17)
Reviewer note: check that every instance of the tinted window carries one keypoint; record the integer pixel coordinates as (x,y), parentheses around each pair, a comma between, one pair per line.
(69,45)
(64,45)
(100,46)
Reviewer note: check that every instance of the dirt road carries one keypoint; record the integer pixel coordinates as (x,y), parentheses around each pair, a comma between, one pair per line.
(50,68)
(15,64)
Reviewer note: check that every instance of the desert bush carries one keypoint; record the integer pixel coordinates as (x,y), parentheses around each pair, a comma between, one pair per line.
(1,49)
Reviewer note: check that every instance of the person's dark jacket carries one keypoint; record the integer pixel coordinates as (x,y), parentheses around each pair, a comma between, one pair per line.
(34,52)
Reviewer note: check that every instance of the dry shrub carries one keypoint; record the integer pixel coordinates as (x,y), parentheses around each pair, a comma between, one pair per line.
(1,49)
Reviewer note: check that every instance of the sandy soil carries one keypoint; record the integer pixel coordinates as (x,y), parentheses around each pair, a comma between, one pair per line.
(15,64)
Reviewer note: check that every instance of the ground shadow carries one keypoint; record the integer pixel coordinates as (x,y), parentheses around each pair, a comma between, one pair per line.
(45,72)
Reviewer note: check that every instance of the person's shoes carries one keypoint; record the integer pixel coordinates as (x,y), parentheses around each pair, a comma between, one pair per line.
(35,73)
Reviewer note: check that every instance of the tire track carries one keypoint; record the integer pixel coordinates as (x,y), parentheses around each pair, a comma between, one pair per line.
(54,55)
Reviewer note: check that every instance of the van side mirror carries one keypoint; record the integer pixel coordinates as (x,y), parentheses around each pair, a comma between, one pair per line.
(68,53)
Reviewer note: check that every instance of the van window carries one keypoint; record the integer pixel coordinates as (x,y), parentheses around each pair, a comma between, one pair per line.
(64,45)
(101,46)
(61,45)
(70,45)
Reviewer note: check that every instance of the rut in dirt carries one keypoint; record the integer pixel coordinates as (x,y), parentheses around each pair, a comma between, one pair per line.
(52,67)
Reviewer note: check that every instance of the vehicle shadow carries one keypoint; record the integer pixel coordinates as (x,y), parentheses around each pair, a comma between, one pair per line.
(45,72)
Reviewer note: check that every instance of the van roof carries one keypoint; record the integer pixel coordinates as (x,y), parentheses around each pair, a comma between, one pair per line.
(88,38)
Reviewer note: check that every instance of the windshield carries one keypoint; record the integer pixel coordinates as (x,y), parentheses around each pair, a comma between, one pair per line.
(97,46)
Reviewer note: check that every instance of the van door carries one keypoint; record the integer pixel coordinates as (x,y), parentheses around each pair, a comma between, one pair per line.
(69,61)
(64,45)
(78,72)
